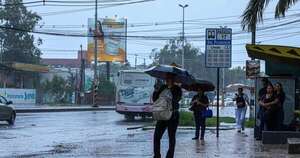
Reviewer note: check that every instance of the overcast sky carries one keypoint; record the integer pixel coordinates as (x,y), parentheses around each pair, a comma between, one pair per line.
(199,15)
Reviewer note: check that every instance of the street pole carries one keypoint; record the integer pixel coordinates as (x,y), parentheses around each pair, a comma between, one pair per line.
(183,38)
(95,54)
(252,101)
(82,68)
(135,61)
(1,51)
(145,63)
(107,70)
(218,106)
(126,41)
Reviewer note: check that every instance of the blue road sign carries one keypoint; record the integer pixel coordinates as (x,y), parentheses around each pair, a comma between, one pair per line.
(218,45)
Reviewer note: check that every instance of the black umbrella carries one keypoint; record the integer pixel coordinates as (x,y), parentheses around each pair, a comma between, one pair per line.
(163,71)
(199,84)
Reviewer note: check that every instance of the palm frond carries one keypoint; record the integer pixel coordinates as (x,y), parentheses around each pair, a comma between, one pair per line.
(253,14)
(282,7)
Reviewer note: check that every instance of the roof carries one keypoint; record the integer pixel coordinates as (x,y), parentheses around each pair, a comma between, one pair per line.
(69,63)
(286,54)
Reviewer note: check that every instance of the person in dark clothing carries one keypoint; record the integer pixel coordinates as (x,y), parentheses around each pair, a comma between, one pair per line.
(263,90)
(280,98)
(268,105)
(171,124)
(260,115)
(198,106)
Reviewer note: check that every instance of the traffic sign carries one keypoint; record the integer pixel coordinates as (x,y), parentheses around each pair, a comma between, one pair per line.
(218,46)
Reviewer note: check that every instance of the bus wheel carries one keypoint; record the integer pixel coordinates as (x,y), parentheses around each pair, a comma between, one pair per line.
(129,117)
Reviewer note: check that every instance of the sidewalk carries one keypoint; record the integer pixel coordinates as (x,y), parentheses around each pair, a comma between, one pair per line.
(47,108)
(230,144)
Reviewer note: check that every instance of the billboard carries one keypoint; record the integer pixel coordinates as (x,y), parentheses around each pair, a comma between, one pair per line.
(111,41)
(19,96)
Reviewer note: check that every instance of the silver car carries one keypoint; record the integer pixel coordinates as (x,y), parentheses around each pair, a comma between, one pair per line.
(7,112)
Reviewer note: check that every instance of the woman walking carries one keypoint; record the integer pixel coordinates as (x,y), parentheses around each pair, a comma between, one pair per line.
(170,124)
(198,106)
(242,101)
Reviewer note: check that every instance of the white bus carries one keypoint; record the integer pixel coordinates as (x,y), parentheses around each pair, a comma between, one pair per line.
(134,93)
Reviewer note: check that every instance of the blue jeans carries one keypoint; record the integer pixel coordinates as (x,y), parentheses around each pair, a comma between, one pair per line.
(240,114)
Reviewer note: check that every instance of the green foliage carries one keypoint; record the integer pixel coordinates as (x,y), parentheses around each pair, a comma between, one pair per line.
(187,119)
(254,12)
(19,45)
(57,90)
(106,87)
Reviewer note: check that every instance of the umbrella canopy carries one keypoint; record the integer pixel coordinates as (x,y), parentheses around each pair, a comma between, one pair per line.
(163,71)
(199,84)
(235,86)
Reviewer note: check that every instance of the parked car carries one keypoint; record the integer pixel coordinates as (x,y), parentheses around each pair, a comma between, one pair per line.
(7,112)
(227,101)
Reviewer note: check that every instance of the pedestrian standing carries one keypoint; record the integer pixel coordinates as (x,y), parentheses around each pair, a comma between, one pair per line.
(260,115)
(280,98)
(241,100)
(269,106)
(199,105)
(172,123)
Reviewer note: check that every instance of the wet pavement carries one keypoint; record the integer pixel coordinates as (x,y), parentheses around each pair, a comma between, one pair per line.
(106,135)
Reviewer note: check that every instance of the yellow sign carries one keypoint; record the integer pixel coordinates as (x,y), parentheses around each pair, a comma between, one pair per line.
(29,67)
(111,40)
(273,52)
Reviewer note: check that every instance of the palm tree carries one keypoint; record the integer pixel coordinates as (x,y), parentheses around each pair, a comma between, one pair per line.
(253,14)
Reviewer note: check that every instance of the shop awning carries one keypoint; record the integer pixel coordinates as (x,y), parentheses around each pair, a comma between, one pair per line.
(28,67)
(286,54)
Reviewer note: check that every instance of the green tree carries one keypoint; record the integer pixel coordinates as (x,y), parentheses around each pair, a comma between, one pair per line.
(253,13)
(18,45)
(58,90)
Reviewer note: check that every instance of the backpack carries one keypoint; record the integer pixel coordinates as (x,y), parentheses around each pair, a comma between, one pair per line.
(162,107)
(239,99)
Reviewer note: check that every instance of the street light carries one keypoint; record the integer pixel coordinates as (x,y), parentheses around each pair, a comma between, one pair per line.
(183,8)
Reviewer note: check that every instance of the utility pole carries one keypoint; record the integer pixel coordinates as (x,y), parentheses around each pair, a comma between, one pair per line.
(252,97)
(108,70)
(145,63)
(95,55)
(183,38)
(82,75)
(135,60)
(1,51)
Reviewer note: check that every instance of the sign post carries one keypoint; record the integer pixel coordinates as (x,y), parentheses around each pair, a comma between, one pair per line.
(218,54)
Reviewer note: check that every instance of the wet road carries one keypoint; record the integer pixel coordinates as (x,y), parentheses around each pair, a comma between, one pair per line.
(105,135)
(65,134)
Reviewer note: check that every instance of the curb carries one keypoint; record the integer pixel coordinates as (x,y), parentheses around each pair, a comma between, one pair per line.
(42,110)
(191,128)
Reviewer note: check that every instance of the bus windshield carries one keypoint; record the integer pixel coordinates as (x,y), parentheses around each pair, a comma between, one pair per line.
(136,79)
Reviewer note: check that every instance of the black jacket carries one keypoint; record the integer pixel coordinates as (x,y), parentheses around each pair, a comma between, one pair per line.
(176,95)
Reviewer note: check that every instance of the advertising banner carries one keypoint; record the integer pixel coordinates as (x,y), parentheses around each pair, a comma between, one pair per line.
(252,68)
(19,96)
(135,88)
(289,88)
(111,41)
